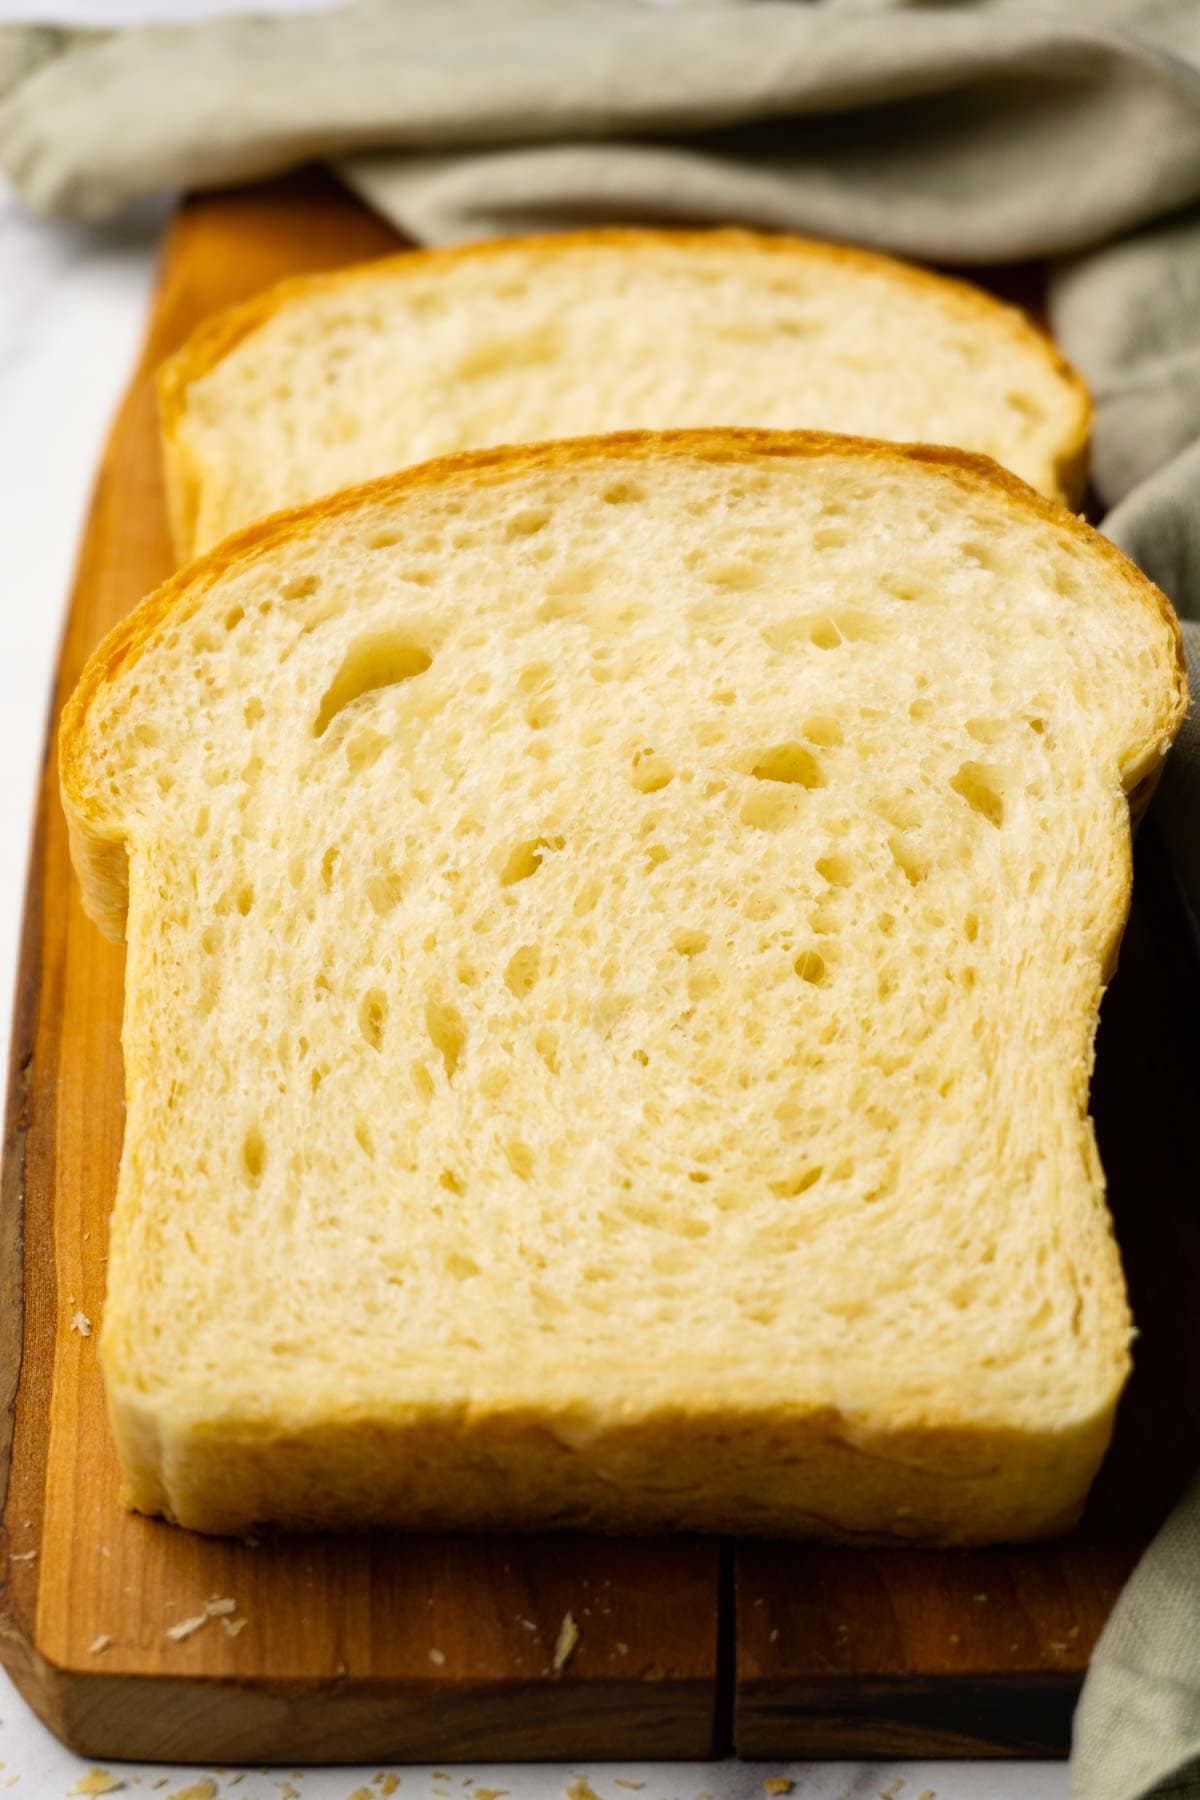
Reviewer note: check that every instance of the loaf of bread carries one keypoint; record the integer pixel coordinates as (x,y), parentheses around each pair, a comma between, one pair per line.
(337,378)
(615,932)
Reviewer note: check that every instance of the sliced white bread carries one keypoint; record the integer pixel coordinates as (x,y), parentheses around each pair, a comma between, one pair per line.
(336,378)
(615,933)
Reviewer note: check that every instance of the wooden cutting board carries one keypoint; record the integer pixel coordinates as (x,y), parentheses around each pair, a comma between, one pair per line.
(393,1648)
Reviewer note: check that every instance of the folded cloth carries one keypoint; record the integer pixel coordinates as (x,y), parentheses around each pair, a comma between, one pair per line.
(965,133)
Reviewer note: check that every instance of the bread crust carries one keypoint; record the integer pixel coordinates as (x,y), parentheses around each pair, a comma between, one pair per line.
(216,337)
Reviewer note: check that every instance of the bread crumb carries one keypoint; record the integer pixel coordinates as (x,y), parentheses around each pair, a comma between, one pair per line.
(489,1793)
(773,1636)
(23,1556)
(954,1638)
(231,1627)
(892,1789)
(98,1644)
(82,1324)
(926,1794)
(1073,1633)
(361,1793)
(387,1784)
(204,1789)
(437,1657)
(161,1782)
(980,1599)
(633,1786)
(287,1791)
(778,1784)
(218,1609)
(622,1649)
(98,1781)
(185,1628)
(527,1624)
(579,1789)
(568,1640)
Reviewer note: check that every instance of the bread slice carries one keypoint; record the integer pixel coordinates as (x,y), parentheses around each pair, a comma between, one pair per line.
(336,378)
(615,931)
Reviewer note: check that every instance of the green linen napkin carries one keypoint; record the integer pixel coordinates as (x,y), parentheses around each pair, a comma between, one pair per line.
(961,132)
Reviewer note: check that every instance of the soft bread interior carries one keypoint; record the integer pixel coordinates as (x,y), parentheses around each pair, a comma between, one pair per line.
(335,379)
(616,932)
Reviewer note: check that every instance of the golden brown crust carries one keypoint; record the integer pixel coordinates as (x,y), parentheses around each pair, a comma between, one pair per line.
(180,596)
(213,340)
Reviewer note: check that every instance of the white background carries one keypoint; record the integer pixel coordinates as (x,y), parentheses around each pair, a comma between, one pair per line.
(72,306)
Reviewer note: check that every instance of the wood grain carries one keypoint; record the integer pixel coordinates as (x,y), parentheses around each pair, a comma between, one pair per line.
(975,1653)
(376,1649)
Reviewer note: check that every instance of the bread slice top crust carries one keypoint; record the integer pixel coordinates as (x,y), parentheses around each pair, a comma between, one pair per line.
(336,378)
(616,932)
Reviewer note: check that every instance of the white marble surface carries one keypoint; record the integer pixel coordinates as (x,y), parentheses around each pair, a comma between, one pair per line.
(72,303)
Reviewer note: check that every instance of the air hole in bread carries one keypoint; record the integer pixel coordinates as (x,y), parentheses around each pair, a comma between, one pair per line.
(522,970)
(810,966)
(447,1033)
(519,1158)
(301,587)
(254,1154)
(790,764)
(623,493)
(384,659)
(836,869)
(525,859)
(977,783)
(914,866)
(372,1016)
(689,943)
(234,617)
(651,771)
(823,729)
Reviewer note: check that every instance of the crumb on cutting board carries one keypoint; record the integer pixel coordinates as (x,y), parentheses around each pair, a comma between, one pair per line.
(566,1644)
(82,1324)
(437,1658)
(99,1644)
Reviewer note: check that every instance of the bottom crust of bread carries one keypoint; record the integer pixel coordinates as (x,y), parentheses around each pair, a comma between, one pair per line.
(750,1474)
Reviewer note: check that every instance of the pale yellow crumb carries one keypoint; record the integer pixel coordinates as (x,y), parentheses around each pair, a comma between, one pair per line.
(231,1627)
(185,1628)
(567,1643)
(579,1789)
(361,1793)
(527,1624)
(204,1789)
(388,1783)
(97,1781)
(82,1324)
(287,1791)
(217,1609)
(633,1786)
(773,1636)
(99,1643)
(161,1782)
(489,1793)
(926,1794)
(437,1657)
(892,1789)
(23,1556)
(1073,1633)
(778,1784)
